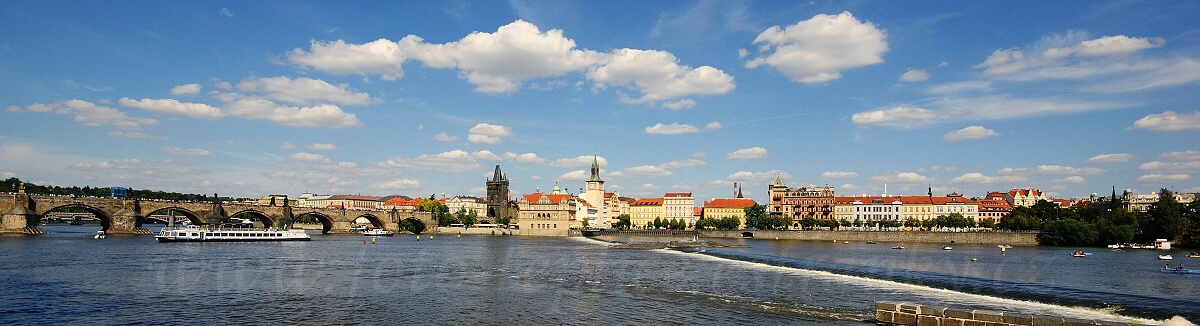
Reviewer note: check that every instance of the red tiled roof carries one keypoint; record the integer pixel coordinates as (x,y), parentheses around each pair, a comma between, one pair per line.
(648,202)
(729,203)
(554,199)
(994,204)
(1025,192)
(678,194)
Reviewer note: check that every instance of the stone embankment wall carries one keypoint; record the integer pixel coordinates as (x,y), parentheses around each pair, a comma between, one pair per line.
(896,313)
(474,231)
(1007,238)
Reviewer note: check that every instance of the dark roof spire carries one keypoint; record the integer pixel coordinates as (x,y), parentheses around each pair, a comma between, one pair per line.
(595,169)
(498,176)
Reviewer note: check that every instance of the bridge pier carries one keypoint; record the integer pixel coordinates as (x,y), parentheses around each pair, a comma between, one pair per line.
(125,221)
(20,220)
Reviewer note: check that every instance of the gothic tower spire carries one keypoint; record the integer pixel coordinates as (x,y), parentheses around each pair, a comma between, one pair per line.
(595,170)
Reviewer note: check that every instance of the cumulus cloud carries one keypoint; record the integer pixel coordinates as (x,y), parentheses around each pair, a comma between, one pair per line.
(658,76)
(1069,61)
(979,178)
(1168,121)
(1071,179)
(320,116)
(524,158)
(686,103)
(484,133)
(839,174)
(380,57)
(671,129)
(441,136)
(92,115)
(322,147)
(172,106)
(898,116)
(1052,169)
(309,157)
(574,176)
(914,75)
(186,152)
(816,50)
(741,176)
(304,91)
(1163,178)
(186,90)
(1111,158)
(713,125)
(972,132)
(747,153)
(579,161)
(499,62)
(452,161)
(643,171)
(398,184)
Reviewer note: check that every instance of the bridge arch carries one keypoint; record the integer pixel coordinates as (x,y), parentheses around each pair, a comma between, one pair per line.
(265,218)
(412,224)
(173,210)
(376,222)
(105,220)
(326,221)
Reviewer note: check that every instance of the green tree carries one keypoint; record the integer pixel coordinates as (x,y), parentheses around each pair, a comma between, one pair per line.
(987,223)
(912,222)
(657,223)
(756,217)
(808,222)
(1068,232)
(1164,219)
(623,221)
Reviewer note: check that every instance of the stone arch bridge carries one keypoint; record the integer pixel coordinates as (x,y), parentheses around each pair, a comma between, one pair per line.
(22,214)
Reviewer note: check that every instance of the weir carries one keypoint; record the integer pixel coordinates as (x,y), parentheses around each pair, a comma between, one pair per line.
(907,314)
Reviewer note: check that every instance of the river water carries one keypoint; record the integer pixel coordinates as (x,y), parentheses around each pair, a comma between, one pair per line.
(66,277)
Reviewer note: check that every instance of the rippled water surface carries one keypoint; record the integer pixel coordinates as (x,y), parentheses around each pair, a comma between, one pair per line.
(67,277)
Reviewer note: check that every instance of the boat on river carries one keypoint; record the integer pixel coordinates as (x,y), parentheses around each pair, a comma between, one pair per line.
(899,247)
(1194,255)
(1165,257)
(1179,271)
(378,233)
(1079,254)
(947,248)
(193,233)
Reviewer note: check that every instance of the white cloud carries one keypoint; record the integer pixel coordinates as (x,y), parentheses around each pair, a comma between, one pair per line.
(1168,121)
(1160,166)
(741,176)
(1111,158)
(484,133)
(713,125)
(1072,180)
(839,174)
(979,178)
(452,161)
(1163,178)
(658,76)
(225,12)
(525,158)
(959,87)
(989,107)
(323,147)
(304,91)
(972,132)
(441,136)
(319,116)
(380,57)
(671,129)
(1072,61)
(747,153)
(579,161)
(895,116)
(574,176)
(397,184)
(499,62)
(644,171)
(172,106)
(287,146)
(1181,156)
(815,51)
(686,103)
(1052,170)
(90,114)
(186,152)
(186,90)
(914,75)
(309,157)
(682,164)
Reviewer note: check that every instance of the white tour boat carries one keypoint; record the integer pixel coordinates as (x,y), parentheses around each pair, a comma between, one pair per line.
(192,233)
(378,233)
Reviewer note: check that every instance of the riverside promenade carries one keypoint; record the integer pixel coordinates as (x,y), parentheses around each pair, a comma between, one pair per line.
(997,238)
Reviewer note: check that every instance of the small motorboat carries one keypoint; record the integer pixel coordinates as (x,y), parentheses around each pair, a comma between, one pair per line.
(100,235)
(1079,253)
(1194,255)
(870,242)
(899,247)
(1179,271)
(1165,257)
(947,248)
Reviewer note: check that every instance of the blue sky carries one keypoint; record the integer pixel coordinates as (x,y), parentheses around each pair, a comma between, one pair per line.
(253,98)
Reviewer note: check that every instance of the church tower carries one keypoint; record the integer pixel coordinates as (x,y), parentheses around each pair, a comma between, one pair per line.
(497,196)
(594,194)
